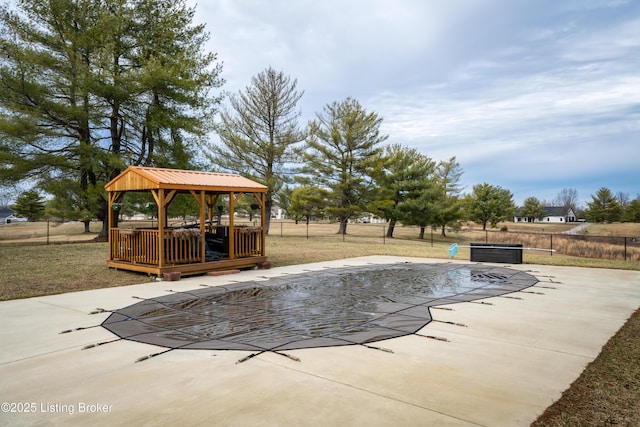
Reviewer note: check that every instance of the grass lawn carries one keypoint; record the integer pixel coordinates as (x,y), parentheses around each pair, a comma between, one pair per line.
(607,393)
(29,271)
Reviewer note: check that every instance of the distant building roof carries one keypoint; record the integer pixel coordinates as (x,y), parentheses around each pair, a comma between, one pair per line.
(549,211)
(5,211)
(555,211)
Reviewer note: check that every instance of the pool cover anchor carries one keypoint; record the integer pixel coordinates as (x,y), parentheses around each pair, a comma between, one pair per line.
(532,292)
(87,347)
(82,328)
(297,359)
(554,282)
(449,323)
(432,337)
(252,355)
(373,347)
(481,302)
(102,310)
(149,356)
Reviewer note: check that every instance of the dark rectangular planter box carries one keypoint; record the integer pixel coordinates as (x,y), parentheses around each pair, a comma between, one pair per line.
(493,252)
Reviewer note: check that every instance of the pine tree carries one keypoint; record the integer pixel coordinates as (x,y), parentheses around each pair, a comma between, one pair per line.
(489,204)
(344,150)
(532,209)
(405,174)
(30,205)
(449,207)
(259,134)
(88,87)
(604,207)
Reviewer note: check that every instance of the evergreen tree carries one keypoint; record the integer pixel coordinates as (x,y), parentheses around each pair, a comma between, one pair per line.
(66,202)
(489,204)
(532,209)
(259,134)
(404,175)
(603,207)
(449,206)
(30,205)
(88,87)
(632,211)
(343,154)
(307,201)
(422,208)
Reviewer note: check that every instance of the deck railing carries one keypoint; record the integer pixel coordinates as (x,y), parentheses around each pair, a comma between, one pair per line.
(182,246)
(135,246)
(247,241)
(140,246)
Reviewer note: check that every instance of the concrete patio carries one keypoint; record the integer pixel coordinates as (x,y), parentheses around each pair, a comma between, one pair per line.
(510,361)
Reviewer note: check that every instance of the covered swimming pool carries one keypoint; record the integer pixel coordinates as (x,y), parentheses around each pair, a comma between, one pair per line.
(332,307)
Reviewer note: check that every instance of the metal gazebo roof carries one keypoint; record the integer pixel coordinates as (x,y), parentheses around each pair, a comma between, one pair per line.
(138,178)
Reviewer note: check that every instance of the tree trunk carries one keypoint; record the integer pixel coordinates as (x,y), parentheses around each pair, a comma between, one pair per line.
(343,226)
(268,203)
(392,225)
(443,234)
(421,235)
(103,215)
(104,232)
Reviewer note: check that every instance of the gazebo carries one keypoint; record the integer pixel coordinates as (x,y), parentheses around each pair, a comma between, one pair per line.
(206,245)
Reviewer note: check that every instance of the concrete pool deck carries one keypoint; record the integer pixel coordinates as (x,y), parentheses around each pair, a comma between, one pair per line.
(510,360)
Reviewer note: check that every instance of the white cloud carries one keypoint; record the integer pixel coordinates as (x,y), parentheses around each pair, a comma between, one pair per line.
(510,88)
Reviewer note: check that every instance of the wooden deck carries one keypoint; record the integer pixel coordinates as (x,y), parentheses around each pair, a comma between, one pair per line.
(188,269)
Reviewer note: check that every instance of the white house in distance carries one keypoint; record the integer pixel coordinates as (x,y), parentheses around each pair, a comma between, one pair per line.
(5,212)
(557,214)
(278,213)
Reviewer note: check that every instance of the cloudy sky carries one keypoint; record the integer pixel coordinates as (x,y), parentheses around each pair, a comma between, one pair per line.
(531,95)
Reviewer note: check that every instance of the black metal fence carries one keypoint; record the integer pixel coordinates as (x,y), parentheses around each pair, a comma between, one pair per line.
(582,245)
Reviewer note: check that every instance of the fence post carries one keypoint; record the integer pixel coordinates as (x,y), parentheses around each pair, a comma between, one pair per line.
(625,248)
(551,235)
(384,236)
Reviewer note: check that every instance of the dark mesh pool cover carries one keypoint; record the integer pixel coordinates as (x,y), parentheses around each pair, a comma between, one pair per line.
(350,305)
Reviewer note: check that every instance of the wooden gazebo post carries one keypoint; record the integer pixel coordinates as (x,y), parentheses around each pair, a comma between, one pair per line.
(111,197)
(232,207)
(162,223)
(260,197)
(201,201)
